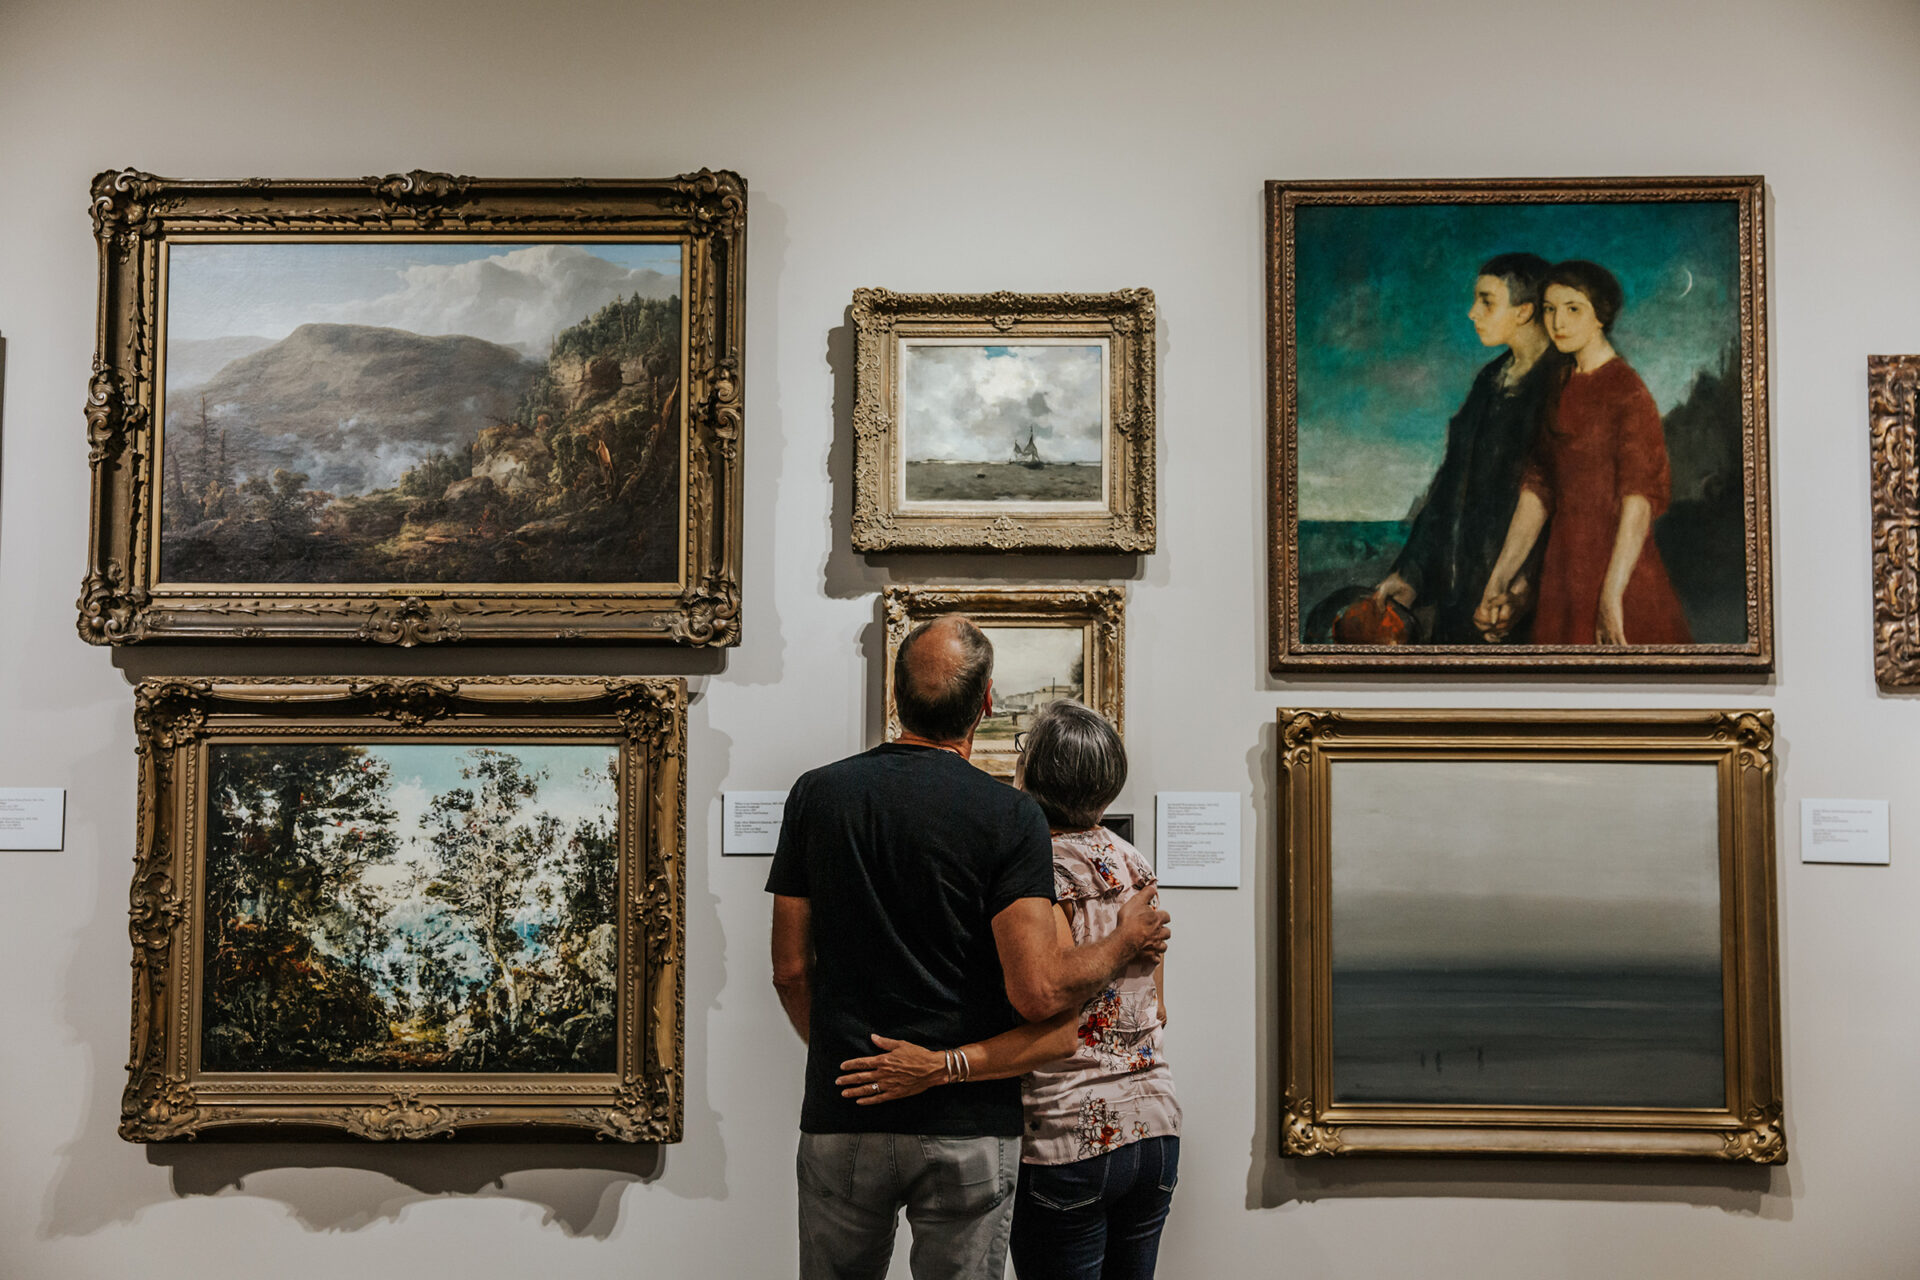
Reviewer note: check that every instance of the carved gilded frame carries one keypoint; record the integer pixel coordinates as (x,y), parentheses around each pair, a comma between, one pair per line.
(1739,744)
(882,518)
(135,215)
(1098,612)
(1893,410)
(1288,647)
(177,720)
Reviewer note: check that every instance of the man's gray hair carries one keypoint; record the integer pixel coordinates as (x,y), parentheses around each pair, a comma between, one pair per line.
(1073,764)
(939,693)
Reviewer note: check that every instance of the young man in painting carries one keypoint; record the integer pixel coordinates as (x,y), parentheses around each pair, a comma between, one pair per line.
(1462,522)
(914,893)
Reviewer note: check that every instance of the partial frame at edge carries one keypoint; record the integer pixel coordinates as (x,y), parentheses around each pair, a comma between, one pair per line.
(1893,419)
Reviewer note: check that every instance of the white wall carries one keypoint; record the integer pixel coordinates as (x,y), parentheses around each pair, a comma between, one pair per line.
(957,148)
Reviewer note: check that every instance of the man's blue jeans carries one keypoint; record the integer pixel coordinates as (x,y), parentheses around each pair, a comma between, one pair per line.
(1098,1218)
(958,1194)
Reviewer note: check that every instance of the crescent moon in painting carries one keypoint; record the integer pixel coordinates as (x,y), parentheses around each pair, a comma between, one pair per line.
(1689,289)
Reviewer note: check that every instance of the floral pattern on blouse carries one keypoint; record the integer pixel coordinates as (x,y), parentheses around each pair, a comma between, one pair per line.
(1116,1088)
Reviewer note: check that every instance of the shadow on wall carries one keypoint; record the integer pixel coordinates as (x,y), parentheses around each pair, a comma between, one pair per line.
(344,1186)
(1273,1181)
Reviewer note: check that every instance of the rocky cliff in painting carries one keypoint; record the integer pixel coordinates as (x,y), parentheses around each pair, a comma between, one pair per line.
(347,453)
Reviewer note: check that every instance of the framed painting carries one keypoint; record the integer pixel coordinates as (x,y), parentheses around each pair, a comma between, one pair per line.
(1003,421)
(1530,933)
(409,908)
(417,408)
(1893,408)
(1518,425)
(1048,644)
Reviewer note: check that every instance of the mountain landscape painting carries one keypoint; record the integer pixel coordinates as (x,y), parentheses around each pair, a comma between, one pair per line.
(1022,422)
(410,907)
(422,412)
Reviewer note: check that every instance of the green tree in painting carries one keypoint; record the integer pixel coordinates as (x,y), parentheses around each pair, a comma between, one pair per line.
(293,832)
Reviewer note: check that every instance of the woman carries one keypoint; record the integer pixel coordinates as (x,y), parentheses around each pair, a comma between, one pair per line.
(1101,1150)
(1599,472)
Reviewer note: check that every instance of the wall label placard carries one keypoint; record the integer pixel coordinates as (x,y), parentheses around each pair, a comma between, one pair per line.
(750,821)
(1196,839)
(1844,831)
(33,818)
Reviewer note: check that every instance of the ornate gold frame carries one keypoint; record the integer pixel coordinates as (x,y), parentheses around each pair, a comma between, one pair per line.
(1286,649)
(1099,611)
(168,1096)
(881,319)
(1893,406)
(135,214)
(1739,743)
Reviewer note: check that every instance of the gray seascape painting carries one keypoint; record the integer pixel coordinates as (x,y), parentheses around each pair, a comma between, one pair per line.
(1526,933)
(1032,666)
(1019,423)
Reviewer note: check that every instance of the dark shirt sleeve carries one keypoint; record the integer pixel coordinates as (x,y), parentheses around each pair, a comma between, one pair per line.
(1026,867)
(1424,561)
(1641,459)
(788,875)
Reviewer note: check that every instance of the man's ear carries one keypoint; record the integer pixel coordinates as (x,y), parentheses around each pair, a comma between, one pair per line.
(1533,313)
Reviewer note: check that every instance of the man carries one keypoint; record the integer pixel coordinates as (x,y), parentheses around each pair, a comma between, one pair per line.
(1462,522)
(914,898)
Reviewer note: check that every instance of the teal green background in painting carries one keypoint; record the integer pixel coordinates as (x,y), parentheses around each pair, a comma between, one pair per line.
(1385,353)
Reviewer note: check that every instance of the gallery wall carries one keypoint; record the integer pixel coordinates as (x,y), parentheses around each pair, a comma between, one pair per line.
(968,148)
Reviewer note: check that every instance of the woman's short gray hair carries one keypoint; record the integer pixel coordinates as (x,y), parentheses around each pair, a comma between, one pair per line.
(1073,764)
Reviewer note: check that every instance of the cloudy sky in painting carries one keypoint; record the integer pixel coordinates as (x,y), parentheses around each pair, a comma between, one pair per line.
(1386,354)
(973,402)
(1027,658)
(1523,862)
(515,295)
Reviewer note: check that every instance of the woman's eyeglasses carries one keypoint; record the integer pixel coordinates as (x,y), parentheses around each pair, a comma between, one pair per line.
(1020,739)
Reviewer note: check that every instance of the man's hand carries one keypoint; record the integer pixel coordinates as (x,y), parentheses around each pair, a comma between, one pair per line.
(1395,587)
(1144,926)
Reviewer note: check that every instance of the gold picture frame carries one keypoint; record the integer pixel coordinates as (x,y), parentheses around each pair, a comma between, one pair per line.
(1893,408)
(1397,450)
(938,459)
(402,908)
(1490,987)
(1040,634)
(417,408)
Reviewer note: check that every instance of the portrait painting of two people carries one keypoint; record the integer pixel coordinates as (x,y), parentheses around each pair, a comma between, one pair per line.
(1519,424)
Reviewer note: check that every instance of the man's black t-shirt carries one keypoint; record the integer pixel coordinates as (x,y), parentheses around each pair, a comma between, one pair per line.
(906,854)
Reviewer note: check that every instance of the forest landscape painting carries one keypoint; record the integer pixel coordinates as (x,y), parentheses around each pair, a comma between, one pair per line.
(415,411)
(410,907)
(1526,933)
(1020,422)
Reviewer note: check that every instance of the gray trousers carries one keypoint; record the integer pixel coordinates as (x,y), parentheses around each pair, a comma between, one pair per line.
(958,1194)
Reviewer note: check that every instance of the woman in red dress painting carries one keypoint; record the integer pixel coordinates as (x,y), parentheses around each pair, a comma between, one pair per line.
(1599,473)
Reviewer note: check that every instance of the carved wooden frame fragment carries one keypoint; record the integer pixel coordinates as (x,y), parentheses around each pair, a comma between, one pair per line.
(1100,612)
(1290,649)
(1737,744)
(1893,411)
(178,720)
(136,215)
(883,520)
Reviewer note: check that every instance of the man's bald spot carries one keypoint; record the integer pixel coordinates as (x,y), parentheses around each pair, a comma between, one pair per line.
(936,657)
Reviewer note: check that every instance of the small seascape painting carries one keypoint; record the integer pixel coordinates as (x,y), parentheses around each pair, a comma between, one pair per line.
(1520,424)
(1032,666)
(1021,422)
(1479,960)
(411,907)
(422,411)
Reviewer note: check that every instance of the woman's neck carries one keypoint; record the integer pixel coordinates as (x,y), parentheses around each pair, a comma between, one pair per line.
(1593,355)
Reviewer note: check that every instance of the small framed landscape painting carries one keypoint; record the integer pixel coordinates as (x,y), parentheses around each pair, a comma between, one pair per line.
(417,408)
(1519,425)
(1530,933)
(1048,644)
(1004,421)
(409,908)
(1893,408)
